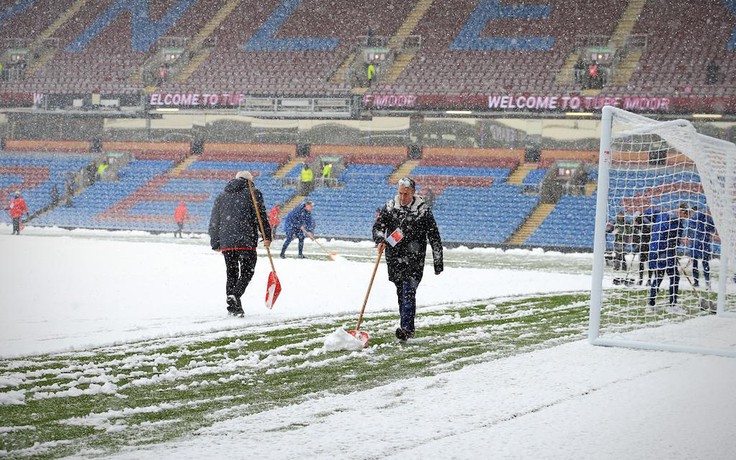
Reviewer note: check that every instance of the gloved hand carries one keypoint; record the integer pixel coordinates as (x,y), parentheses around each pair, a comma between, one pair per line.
(438,268)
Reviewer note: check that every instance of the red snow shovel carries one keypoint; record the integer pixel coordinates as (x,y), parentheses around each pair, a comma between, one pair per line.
(363,336)
(273,286)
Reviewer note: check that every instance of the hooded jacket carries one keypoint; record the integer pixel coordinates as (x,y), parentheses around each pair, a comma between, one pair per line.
(416,221)
(181,213)
(233,222)
(299,217)
(17,207)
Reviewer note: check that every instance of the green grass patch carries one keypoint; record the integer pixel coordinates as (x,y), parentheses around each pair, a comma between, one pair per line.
(153,391)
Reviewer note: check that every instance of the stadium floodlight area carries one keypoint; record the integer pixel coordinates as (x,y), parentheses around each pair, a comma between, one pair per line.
(666,207)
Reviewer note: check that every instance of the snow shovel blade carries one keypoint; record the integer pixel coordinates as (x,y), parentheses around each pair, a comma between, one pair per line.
(361,336)
(273,289)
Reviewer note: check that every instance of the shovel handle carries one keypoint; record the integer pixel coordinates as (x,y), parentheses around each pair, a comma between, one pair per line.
(320,246)
(370,285)
(260,223)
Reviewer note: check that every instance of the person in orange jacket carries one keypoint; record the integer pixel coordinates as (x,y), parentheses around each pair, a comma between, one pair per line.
(17,207)
(181,214)
(274,219)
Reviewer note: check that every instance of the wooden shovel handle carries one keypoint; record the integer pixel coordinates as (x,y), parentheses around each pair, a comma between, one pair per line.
(370,285)
(260,223)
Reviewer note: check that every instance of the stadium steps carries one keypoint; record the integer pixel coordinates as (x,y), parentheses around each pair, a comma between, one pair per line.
(193,64)
(196,46)
(627,23)
(398,67)
(403,170)
(396,42)
(531,223)
(291,204)
(182,166)
(341,73)
(520,173)
(284,170)
(48,54)
(625,69)
(420,9)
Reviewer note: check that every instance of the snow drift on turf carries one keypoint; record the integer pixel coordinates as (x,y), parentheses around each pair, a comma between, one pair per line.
(70,292)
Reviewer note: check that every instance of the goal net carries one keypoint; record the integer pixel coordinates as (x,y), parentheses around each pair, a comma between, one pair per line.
(664,236)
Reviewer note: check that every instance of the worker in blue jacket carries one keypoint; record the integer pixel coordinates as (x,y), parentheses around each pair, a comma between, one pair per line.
(298,222)
(702,232)
(667,231)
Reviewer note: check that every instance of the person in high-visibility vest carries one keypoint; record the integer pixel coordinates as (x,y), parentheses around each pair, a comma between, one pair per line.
(326,174)
(101,170)
(327,171)
(307,180)
(371,73)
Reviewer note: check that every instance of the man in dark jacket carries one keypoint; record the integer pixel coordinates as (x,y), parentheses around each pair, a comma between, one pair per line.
(403,227)
(298,222)
(234,232)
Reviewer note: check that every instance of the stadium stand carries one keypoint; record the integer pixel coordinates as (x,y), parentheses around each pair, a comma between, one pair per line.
(277,48)
(482,215)
(570,224)
(349,211)
(35,175)
(682,37)
(96,47)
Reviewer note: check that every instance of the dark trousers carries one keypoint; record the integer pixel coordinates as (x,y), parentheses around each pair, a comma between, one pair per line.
(180,227)
(657,281)
(290,234)
(619,257)
(16,225)
(696,272)
(406,292)
(643,263)
(240,266)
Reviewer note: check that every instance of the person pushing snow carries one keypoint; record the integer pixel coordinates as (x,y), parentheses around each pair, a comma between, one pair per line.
(402,228)
(298,222)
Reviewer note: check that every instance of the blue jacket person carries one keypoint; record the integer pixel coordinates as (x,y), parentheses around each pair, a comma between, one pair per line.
(298,222)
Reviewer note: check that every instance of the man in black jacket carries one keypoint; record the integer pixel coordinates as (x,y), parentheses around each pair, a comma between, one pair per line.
(403,227)
(234,232)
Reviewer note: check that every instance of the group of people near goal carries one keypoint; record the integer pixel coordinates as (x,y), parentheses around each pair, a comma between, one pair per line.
(664,244)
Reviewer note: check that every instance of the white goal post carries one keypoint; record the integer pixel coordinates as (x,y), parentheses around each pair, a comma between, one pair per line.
(665,232)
